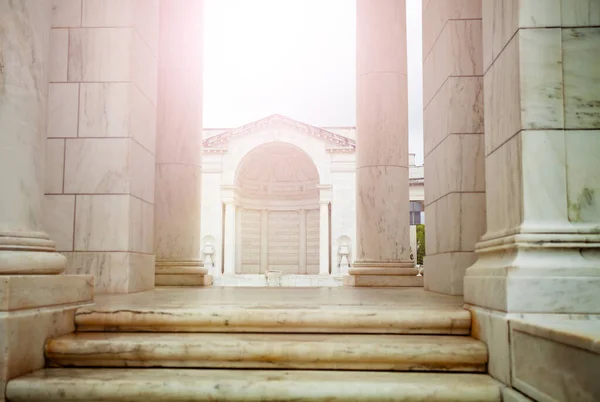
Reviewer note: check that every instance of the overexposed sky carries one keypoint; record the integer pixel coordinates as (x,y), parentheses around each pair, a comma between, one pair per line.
(296,58)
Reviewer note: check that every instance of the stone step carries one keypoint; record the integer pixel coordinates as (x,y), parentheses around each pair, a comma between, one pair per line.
(450,320)
(249,385)
(268,351)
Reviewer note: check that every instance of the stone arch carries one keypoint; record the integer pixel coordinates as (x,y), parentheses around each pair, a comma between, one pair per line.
(312,147)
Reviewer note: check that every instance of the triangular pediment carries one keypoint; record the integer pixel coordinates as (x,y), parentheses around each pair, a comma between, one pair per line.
(334,140)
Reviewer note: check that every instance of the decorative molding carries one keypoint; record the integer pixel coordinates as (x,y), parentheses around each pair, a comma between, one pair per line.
(219,141)
(342,150)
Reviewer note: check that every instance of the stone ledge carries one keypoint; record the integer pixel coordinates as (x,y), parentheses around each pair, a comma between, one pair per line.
(23,335)
(250,385)
(183,280)
(18,292)
(534,294)
(383,281)
(269,351)
(556,360)
(383,271)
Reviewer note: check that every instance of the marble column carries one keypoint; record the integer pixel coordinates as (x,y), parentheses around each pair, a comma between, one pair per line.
(541,251)
(382,201)
(229,259)
(302,268)
(178,158)
(25,248)
(238,239)
(453,141)
(264,241)
(35,302)
(325,198)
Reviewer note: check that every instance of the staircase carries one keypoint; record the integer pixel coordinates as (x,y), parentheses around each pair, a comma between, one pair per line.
(260,353)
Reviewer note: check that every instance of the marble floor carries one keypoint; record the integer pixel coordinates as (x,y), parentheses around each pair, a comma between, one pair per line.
(192,297)
(277,309)
(260,280)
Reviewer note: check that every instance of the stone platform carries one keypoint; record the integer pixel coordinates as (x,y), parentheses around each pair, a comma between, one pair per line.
(291,310)
(318,344)
(249,386)
(287,280)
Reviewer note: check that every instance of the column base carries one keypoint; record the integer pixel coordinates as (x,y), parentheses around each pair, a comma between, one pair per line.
(34,308)
(536,273)
(18,292)
(26,262)
(181,273)
(383,274)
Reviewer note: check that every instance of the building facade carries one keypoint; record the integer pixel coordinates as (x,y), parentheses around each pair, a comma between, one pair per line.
(101,182)
(280,195)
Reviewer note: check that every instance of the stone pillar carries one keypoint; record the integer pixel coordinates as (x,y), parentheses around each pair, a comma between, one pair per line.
(325,192)
(25,248)
(541,251)
(178,159)
(229,259)
(382,201)
(238,239)
(453,141)
(34,304)
(264,241)
(302,268)
(324,238)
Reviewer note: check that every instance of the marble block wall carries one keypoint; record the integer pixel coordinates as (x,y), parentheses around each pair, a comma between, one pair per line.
(99,204)
(453,140)
(541,251)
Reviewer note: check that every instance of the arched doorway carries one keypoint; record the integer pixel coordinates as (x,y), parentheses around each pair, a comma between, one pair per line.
(278,222)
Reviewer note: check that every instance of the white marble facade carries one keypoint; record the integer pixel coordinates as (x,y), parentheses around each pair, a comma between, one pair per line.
(270,188)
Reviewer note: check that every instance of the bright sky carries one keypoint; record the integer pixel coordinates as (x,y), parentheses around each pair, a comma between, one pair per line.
(296,58)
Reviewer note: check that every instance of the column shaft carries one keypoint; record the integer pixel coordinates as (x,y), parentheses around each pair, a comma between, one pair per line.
(324,239)
(25,248)
(302,269)
(230,237)
(382,201)
(178,161)
(264,241)
(238,239)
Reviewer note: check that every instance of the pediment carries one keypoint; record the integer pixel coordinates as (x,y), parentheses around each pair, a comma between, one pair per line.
(333,140)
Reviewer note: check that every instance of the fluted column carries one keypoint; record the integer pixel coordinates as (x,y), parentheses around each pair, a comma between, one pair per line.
(382,210)
(25,248)
(178,159)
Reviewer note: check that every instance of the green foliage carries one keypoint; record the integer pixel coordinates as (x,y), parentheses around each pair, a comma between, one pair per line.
(420,244)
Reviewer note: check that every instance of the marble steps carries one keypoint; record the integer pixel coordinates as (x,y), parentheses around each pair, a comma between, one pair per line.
(450,320)
(269,351)
(132,385)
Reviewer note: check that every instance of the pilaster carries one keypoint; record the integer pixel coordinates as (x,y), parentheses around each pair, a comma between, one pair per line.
(541,251)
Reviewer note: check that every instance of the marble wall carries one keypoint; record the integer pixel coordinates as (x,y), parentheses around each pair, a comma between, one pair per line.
(99,203)
(542,141)
(453,140)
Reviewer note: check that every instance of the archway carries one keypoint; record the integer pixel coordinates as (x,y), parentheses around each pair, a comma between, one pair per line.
(278,225)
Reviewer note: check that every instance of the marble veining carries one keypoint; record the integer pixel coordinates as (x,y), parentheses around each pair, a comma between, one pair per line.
(299,351)
(249,385)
